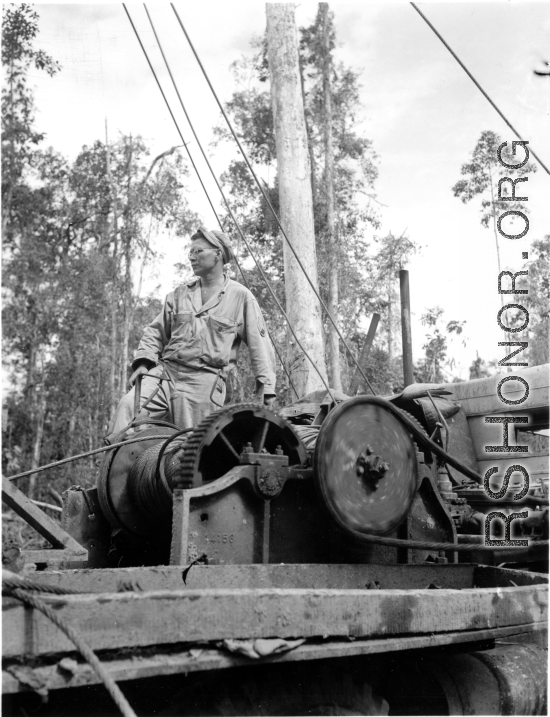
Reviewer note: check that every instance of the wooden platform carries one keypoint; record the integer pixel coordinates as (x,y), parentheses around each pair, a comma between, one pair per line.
(157,609)
(68,672)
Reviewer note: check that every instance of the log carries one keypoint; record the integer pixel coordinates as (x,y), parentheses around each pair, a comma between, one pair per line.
(112,621)
(139,666)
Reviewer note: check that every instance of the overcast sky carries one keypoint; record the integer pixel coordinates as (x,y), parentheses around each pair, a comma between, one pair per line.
(423,114)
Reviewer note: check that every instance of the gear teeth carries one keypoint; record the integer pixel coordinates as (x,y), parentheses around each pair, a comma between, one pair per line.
(194,445)
(420,428)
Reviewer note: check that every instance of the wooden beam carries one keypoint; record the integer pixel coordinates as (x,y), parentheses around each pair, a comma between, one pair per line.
(301,575)
(111,621)
(56,559)
(37,519)
(138,667)
(487,576)
(357,379)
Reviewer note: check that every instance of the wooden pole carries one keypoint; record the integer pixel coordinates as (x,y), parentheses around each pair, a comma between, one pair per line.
(356,380)
(331,237)
(408,376)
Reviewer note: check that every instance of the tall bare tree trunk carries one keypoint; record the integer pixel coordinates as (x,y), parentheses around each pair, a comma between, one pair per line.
(37,442)
(308,135)
(112,371)
(128,299)
(295,196)
(332,239)
(8,196)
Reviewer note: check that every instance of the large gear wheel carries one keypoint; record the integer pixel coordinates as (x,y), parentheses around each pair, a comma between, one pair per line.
(365,466)
(217,442)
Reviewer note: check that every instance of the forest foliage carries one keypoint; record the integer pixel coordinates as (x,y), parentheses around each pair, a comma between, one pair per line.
(78,237)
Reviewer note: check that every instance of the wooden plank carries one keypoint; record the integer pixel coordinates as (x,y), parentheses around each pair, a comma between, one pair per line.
(301,575)
(129,619)
(357,379)
(487,576)
(139,667)
(56,559)
(37,519)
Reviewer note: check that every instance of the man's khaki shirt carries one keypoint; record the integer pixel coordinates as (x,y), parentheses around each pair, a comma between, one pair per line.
(208,336)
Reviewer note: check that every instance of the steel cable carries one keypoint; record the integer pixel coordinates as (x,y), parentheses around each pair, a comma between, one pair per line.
(217,184)
(272,210)
(84,455)
(430,545)
(476,83)
(264,277)
(185,144)
(85,650)
(168,106)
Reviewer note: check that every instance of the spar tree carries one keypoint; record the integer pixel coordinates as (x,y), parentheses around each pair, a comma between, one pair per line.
(296,201)
(341,188)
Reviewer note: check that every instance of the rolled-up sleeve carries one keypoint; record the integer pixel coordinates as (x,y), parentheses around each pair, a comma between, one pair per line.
(256,337)
(156,335)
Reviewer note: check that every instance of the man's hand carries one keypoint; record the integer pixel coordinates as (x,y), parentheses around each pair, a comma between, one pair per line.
(260,397)
(142,368)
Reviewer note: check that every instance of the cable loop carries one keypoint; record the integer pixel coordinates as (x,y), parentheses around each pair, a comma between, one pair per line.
(85,650)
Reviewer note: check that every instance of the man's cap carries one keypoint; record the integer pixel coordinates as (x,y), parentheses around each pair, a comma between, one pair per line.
(217,239)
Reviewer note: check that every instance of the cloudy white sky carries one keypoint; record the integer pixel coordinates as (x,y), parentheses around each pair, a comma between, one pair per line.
(422,112)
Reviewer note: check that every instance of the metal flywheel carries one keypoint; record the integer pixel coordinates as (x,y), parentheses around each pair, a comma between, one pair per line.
(365,466)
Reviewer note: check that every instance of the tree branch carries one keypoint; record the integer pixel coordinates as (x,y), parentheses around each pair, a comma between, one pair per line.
(157,159)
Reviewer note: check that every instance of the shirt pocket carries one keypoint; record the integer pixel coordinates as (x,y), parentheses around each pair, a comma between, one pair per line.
(218,339)
(182,326)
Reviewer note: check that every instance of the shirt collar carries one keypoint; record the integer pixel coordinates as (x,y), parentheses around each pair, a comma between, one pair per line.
(197,281)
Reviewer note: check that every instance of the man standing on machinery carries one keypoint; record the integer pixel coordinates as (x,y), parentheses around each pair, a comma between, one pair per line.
(192,344)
